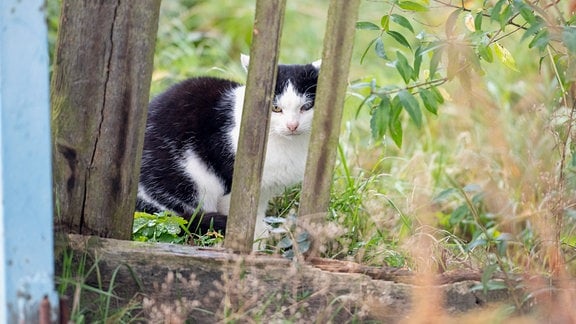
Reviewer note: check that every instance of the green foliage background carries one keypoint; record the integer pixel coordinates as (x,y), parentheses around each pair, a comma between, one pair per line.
(458,123)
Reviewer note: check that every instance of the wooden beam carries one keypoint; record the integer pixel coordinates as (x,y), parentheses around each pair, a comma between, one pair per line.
(100,90)
(332,83)
(198,285)
(254,131)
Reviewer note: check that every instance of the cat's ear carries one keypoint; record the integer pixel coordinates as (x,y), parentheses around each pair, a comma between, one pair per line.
(317,64)
(245,60)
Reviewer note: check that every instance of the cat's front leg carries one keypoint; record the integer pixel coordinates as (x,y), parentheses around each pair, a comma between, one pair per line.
(223,205)
(261,228)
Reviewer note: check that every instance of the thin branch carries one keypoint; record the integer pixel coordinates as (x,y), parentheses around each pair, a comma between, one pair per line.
(424,85)
(563,143)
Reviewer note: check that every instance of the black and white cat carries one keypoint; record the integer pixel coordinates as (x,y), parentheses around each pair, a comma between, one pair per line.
(191,140)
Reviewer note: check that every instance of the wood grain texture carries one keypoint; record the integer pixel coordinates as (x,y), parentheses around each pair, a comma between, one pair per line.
(100,87)
(205,285)
(332,82)
(254,131)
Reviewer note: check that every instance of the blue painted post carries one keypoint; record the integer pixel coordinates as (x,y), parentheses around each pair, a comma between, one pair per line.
(26,236)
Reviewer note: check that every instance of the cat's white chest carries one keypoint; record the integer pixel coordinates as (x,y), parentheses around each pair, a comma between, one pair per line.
(284,164)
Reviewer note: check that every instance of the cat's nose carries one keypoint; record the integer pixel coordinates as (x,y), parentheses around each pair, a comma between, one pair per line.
(292,126)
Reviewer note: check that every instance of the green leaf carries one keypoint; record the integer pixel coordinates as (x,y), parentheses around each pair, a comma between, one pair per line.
(366,102)
(569,39)
(395,126)
(399,38)
(302,237)
(444,195)
(485,52)
(403,67)
(417,63)
(487,277)
(505,16)
(402,21)
(533,29)
(525,11)
(412,6)
(429,101)
(437,95)
(366,25)
(478,21)
(472,187)
(379,48)
(459,214)
(172,226)
(385,22)
(367,49)
(284,243)
(139,223)
(540,40)
(412,106)
(160,227)
(496,10)
(288,254)
(505,57)
(304,246)
(380,119)
(471,57)
(561,61)
(571,21)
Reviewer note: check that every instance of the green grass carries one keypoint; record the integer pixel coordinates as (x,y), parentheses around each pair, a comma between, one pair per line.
(90,299)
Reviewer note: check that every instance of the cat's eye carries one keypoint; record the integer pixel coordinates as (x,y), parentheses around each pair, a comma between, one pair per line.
(276,109)
(306,106)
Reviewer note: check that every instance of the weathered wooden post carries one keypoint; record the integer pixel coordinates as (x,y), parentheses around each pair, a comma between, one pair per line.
(332,81)
(254,131)
(100,88)
(26,236)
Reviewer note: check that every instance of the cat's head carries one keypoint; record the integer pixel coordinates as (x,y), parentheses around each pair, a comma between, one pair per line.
(295,93)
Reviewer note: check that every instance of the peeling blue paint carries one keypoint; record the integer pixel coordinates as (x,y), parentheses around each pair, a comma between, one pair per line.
(26,228)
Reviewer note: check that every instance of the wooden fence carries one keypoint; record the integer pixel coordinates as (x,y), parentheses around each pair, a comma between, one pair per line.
(100,89)
(253,131)
(99,92)
(326,124)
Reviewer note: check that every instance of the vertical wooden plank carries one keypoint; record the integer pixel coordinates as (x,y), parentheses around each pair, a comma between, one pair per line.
(332,81)
(254,131)
(26,237)
(100,90)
